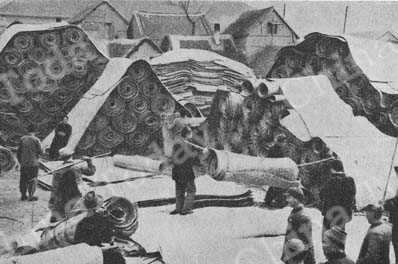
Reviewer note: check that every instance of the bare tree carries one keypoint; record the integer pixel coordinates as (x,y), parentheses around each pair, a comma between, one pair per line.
(185,6)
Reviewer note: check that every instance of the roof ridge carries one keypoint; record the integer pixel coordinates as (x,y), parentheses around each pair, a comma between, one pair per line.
(169,14)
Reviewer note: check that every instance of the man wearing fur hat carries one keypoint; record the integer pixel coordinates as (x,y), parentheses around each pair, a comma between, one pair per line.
(299,226)
(65,185)
(375,247)
(333,244)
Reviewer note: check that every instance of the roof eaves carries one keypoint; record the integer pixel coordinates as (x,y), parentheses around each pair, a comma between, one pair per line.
(283,20)
(135,48)
(83,14)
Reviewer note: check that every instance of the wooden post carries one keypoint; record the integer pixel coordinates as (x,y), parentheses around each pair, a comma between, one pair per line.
(345,19)
(284,10)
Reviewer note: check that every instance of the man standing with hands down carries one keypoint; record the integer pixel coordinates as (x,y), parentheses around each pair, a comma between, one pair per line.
(28,154)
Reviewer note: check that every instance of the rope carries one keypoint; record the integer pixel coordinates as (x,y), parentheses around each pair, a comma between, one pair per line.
(389,171)
(314,162)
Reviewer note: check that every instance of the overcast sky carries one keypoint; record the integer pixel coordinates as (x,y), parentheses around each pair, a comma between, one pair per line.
(328,16)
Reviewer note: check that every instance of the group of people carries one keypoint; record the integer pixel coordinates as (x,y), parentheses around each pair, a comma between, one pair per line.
(299,249)
(337,198)
(29,152)
(66,194)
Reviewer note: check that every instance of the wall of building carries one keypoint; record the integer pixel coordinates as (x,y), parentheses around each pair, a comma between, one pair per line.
(259,35)
(104,23)
(144,52)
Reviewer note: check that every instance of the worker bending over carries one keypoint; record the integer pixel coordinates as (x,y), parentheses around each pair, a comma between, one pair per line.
(65,186)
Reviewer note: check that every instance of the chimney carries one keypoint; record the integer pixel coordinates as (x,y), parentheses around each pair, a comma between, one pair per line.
(216,34)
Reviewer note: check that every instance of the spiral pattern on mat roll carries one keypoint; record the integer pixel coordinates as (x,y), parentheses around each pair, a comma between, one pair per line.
(25,107)
(79,68)
(139,72)
(26,65)
(109,138)
(61,96)
(12,57)
(150,88)
(125,122)
(151,121)
(50,107)
(123,215)
(37,54)
(73,35)
(11,119)
(50,39)
(23,42)
(55,68)
(128,89)
(113,106)
(137,139)
(40,82)
(139,104)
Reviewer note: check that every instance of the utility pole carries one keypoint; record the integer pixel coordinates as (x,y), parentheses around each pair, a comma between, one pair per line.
(284,10)
(345,19)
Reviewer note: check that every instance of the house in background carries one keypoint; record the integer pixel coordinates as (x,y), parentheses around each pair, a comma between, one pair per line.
(101,21)
(256,29)
(38,11)
(133,49)
(222,44)
(157,25)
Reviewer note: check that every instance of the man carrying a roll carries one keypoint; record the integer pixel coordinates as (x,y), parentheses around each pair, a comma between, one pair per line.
(65,185)
(182,160)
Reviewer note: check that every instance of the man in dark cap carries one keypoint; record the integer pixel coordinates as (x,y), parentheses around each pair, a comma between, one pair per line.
(391,205)
(183,157)
(299,226)
(61,137)
(333,244)
(375,247)
(28,153)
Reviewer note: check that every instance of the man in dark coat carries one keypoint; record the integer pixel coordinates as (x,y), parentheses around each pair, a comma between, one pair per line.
(333,245)
(299,227)
(391,206)
(337,198)
(375,248)
(183,157)
(61,137)
(275,195)
(28,154)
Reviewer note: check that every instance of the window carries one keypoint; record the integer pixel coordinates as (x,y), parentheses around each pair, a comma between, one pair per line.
(272,28)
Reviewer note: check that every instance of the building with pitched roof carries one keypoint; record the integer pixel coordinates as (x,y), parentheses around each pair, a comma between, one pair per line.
(255,29)
(134,49)
(157,25)
(222,44)
(101,21)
